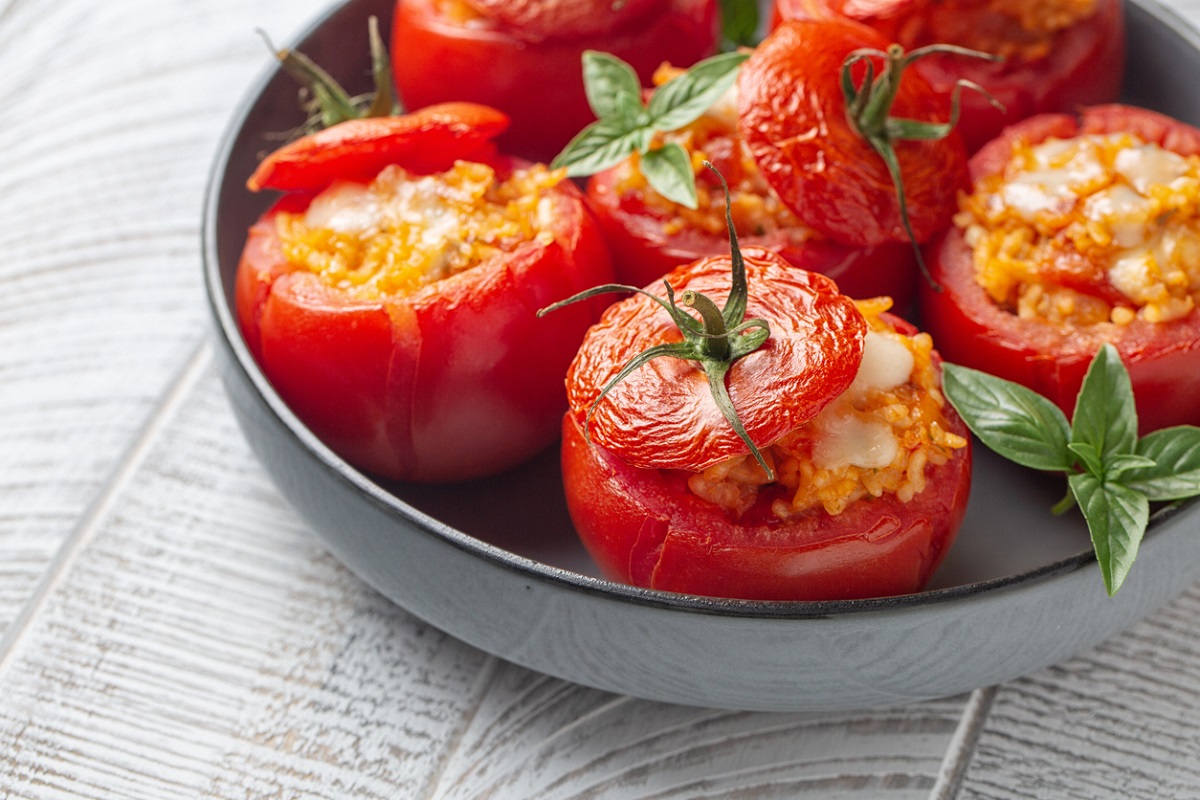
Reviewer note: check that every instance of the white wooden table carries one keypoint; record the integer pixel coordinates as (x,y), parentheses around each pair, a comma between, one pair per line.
(169,628)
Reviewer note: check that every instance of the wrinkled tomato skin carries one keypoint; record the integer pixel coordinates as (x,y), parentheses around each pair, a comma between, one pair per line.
(537,83)
(643,249)
(792,116)
(1084,66)
(1163,358)
(645,527)
(457,380)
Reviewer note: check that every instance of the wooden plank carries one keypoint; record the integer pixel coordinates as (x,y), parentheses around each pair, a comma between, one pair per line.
(202,640)
(109,121)
(1118,722)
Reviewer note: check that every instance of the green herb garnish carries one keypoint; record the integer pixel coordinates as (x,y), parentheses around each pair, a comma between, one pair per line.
(715,341)
(625,125)
(869,106)
(1112,475)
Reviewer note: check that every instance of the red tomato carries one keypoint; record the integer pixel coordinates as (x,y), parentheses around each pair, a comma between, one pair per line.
(1163,358)
(646,242)
(456,379)
(1061,71)
(627,481)
(793,118)
(536,20)
(424,141)
(449,51)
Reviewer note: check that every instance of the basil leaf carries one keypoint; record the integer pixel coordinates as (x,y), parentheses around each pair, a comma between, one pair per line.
(1016,422)
(1121,463)
(683,99)
(1116,518)
(610,84)
(1176,471)
(668,169)
(1105,415)
(739,21)
(1089,456)
(603,144)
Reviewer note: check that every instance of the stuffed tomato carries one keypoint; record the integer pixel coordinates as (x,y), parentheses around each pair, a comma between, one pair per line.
(390,297)
(859,472)
(1058,55)
(813,145)
(523,56)
(1079,231)
(649,234)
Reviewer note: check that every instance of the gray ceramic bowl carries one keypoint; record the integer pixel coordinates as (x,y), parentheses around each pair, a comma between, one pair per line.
(496,563)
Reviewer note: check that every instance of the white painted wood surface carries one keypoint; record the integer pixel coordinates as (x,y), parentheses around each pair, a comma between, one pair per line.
(169,629)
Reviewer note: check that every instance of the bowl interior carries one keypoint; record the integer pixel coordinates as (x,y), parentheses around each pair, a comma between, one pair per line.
(520,517)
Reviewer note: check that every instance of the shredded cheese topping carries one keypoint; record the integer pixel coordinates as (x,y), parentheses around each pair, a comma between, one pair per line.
(1013,29)
(879,437)
(1099,228)
(402,231)
(713,137)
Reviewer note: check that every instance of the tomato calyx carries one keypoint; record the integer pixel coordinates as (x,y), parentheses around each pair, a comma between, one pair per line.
(869,105)
(718,339)
(328,103)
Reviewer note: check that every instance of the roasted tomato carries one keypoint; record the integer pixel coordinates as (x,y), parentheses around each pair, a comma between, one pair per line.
(1079,231)
(794,119)
(649,235)
(523,56)
(393,309)
(1058,55)
(870,467)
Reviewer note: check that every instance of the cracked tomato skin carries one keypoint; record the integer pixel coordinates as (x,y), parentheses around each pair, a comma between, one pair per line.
(663,414)
(643,526)
(455,380)
(524,57)
(793,118)
(1163,359)
(645,245)
(1082,66)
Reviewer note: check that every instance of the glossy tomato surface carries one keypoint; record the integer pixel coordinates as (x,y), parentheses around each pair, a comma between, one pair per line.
(663,414)
(970,329)
(646,244)
(1081,65)
(793,118)
(645,527)
(525,58)
(626,480)
(454,380)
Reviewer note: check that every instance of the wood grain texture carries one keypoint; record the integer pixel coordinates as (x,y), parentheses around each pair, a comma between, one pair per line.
(1120,722)
(109,118)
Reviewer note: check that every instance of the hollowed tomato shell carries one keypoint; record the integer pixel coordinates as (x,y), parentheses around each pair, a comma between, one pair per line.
(456,380)
(970,329)
(644,248)
(643,526)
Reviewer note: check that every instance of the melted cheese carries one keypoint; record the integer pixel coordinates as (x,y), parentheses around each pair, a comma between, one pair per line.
(877,438)
(1071,224)
(403,231)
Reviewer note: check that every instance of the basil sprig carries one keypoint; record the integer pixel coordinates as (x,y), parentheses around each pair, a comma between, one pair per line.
(1112,475)
(625,125)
